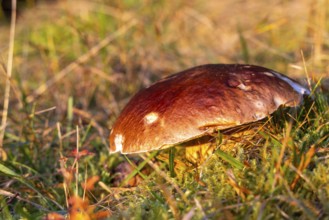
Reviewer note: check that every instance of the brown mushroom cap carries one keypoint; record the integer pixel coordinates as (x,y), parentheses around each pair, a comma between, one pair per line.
(199,101)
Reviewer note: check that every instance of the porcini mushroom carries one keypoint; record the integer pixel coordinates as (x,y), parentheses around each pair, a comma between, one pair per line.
(198,102)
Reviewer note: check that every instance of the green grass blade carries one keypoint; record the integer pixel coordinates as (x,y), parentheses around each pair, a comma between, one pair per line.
(4,210)
(229,159)
(138,168)
(8,171)
(244,46)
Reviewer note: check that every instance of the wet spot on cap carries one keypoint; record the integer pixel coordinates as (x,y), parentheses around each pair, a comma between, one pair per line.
(150,118)
(238,110)
(268,74)
(259,105)
(244,87)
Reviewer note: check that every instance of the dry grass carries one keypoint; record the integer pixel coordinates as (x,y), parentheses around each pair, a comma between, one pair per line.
(76,65)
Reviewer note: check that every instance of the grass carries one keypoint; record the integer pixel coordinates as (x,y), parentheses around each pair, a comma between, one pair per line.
(74,70)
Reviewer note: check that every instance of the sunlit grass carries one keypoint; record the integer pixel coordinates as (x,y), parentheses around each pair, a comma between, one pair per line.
(56,140)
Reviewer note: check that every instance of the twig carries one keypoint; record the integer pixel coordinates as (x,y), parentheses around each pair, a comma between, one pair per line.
(62,164)
(77,164)
(12,195)
(82,59)
(300,174)
(9,72)
(306,72)
(43,111)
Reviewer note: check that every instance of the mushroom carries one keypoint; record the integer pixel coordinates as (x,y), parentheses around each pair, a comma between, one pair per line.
(198,102)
